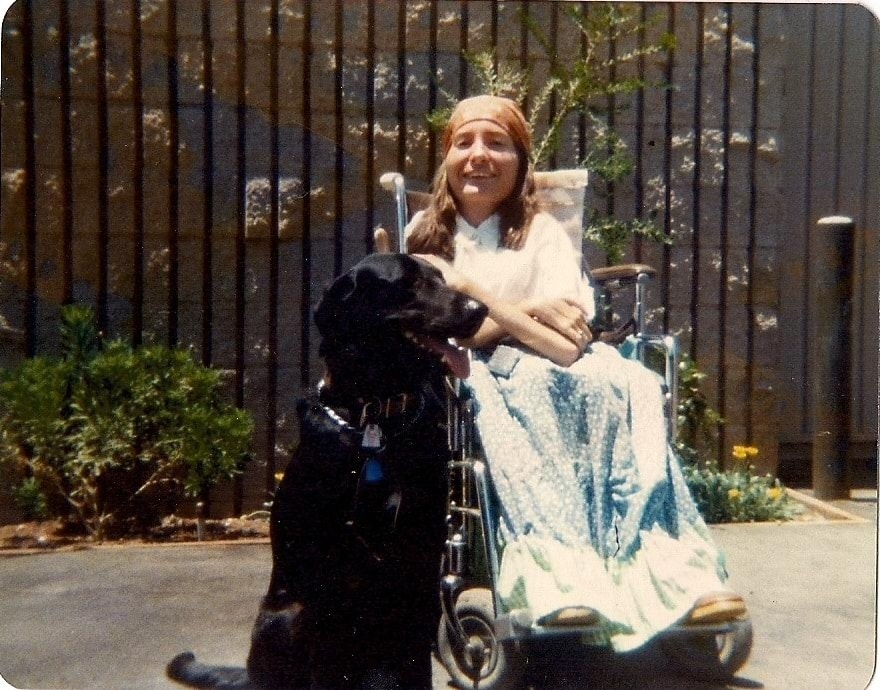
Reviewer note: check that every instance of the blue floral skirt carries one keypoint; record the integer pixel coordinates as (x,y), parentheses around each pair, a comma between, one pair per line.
(594,508)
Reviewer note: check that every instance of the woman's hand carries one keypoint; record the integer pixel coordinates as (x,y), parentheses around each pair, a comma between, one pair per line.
(565,316)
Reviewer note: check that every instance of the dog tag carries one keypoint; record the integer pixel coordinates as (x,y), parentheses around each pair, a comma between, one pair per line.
(373,472)
(372,436)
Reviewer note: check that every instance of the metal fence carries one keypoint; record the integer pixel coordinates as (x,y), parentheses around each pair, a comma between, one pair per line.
(198,170)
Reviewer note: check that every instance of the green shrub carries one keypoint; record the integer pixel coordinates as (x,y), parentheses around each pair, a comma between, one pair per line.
(112,438)
(722,495)
(30,499)
(738,495)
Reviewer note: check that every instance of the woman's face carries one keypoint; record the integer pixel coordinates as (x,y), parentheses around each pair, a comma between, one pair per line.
(482,168)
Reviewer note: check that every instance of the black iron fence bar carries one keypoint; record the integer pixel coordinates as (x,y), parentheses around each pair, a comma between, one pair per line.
(754,130)
(638,173)
(611,187)
(524,46)
(696,176)
(207,185)
(583,10)
(137,175)
(274,228)
(66,155)
(103,165)
(667,169)
(30,191)
(339,135)
(866,311)
(724,222)
(432,87)
(464,28)
(240,247)
(841,104)
(808,216)
(370,168)
(493,32)
(552,103)
(173,177)
(306,260)
(401,87)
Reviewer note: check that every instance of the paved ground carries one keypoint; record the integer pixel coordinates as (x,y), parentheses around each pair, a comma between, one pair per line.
(111,618)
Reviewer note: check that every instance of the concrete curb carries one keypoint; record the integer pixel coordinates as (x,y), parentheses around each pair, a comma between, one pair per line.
(250,541)
(826,510)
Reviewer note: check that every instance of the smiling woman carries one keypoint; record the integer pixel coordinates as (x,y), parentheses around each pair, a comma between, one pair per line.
(484,201)
(597,522)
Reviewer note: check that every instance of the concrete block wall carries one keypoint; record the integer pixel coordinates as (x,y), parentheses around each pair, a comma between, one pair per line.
(709,148)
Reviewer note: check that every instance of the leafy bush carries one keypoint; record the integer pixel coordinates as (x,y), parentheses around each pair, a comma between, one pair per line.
(111,438)
(30,500)
(722,495)
(738,495)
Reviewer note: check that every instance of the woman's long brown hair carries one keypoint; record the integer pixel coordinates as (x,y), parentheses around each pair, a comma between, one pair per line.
(435,231)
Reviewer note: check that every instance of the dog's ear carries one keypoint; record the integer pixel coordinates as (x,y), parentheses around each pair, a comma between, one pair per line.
(329,309)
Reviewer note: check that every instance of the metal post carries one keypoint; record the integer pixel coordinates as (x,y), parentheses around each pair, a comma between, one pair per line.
(831,287)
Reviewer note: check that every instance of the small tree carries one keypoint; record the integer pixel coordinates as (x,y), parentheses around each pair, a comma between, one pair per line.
(111,438)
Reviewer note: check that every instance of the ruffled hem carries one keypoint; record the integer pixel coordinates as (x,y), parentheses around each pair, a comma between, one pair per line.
(636,598)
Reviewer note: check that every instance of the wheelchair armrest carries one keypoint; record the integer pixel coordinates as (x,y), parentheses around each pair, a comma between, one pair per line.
(624,273)
(610,281)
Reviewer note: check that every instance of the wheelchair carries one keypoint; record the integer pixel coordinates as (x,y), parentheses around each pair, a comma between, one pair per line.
(479,642)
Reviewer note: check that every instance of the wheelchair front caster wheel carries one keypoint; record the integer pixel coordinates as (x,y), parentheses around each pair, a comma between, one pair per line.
(493,664)
(710,655)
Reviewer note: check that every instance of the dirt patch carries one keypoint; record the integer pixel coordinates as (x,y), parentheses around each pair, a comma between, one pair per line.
(53,534)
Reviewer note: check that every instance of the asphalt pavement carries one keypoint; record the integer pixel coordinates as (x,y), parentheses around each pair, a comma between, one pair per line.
(112,617)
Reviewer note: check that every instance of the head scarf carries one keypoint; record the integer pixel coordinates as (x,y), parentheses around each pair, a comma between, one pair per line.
(502,111)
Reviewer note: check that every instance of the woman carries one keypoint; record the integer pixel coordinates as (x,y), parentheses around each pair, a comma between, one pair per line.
(597,522)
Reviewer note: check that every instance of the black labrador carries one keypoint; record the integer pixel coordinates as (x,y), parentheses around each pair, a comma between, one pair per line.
(357,523)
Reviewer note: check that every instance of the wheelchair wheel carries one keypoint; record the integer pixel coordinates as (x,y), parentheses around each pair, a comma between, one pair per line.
(502,667)
(710,656)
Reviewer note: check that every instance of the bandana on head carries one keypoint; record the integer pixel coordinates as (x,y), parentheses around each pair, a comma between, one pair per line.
(502,111)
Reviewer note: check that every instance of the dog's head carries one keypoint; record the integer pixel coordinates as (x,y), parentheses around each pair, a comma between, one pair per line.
(385,325)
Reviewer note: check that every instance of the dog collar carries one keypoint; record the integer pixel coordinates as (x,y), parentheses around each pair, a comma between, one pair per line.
(374,409)
(371,410)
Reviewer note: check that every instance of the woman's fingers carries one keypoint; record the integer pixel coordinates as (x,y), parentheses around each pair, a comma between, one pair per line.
(562,315)
(381,241)
(566,317)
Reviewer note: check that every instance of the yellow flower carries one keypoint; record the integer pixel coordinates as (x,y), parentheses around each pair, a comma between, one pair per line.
(774,493)
(743,452)
(279,476)
(734,494)
(739,452)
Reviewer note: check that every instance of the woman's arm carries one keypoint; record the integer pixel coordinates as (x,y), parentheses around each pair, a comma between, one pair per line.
(509,319)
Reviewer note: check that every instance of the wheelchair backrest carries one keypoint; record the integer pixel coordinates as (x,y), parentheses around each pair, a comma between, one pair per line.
(561,193)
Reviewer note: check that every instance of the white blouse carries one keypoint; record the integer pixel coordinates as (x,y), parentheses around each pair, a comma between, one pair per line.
(545,267)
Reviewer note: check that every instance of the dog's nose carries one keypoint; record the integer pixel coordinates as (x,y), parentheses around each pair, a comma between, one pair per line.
(472,306)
